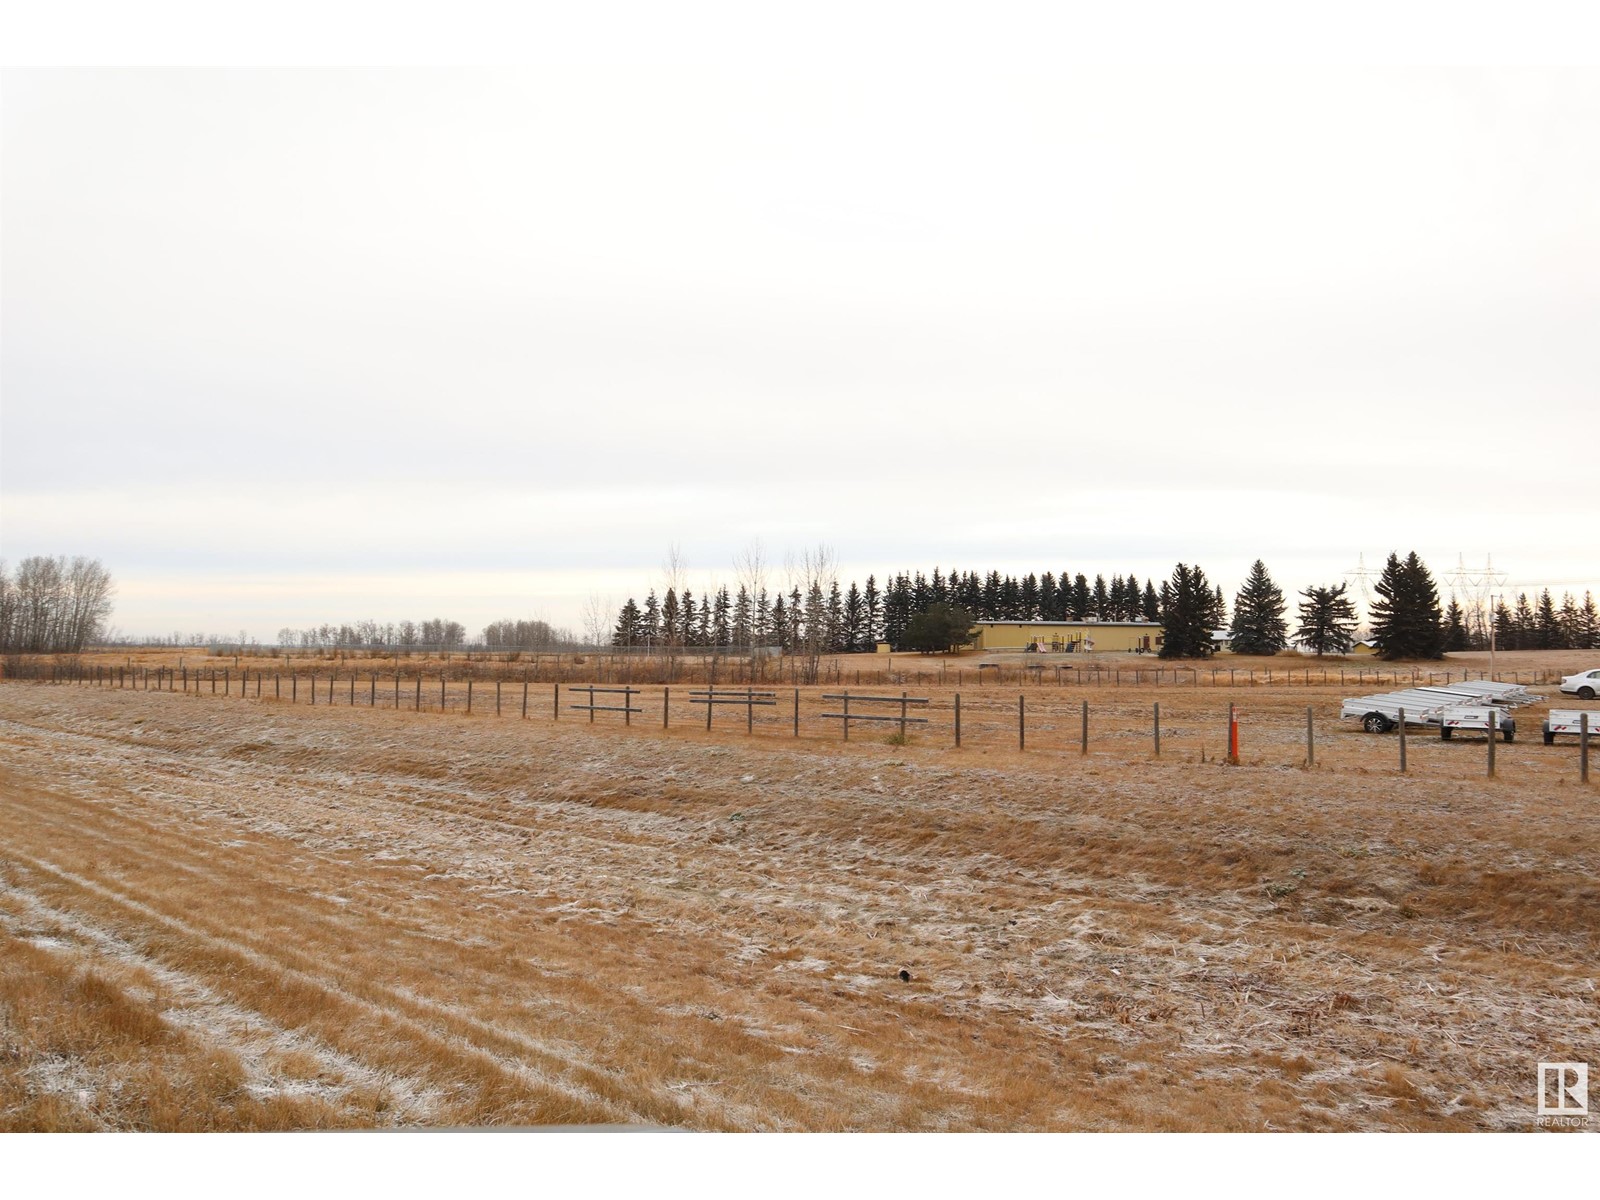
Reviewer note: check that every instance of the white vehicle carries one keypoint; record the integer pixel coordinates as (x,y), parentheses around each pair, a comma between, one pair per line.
(1483,717)
(1565,720)
(1585,685)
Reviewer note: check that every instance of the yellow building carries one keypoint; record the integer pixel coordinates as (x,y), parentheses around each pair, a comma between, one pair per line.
(1068,637)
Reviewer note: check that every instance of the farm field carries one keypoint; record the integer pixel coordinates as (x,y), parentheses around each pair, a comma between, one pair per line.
(226,913)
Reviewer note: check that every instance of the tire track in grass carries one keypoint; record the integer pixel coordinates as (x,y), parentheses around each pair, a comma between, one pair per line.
(663,1105)
(248,1034)
(401,1014)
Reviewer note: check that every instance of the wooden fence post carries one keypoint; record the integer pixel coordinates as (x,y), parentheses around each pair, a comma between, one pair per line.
(958,720)
(1085,732)
(1157,728)
(1311,740)
(1022,732)
(1402,741)
(1583,747)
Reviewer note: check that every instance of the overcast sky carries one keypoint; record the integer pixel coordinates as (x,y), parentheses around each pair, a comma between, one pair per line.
(283,347)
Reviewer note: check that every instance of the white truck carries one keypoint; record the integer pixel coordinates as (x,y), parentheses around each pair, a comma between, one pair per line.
(1567,720)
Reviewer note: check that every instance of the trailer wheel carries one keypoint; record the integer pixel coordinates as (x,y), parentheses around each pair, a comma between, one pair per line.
(1549,738)
(1445,733)
(1509,734)
(1375,723)
(1586,692)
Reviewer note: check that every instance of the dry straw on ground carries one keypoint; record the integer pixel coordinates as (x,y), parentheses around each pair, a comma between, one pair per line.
(217,914)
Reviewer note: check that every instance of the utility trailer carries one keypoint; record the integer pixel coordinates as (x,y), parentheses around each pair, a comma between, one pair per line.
(1565,720)
(1380,713)
(1483,717)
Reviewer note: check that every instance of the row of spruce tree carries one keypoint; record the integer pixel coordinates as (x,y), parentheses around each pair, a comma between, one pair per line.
(1406,619)
(858,617)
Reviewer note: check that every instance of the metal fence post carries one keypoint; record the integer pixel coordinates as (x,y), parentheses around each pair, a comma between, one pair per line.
(958,720)
(1022,730)
(1084,736)
(1494,720)
(1402,741)
(1157,728)
(1311,740)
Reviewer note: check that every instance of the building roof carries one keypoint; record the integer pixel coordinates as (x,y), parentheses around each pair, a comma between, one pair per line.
(1078,624)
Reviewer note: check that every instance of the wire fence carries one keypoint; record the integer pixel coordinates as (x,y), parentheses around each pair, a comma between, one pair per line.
(992,715)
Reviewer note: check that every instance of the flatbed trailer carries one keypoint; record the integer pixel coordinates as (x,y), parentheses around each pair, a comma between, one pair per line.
(1380,712)
(1566,720)
(1484,717)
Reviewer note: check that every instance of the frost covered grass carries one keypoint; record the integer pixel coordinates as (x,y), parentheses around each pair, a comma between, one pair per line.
(295,917)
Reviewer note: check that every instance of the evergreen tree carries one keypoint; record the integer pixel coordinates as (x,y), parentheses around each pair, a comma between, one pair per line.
(627,630)
(1327,620)
(1406,620)
(1522,623)
(721,623)
(938,628)
(855,615)
(1546,628)
(1258,622)
(1010,600)
(1455,628)
(835,620)
(1569,620)
(796,617)
(872,603)
(1190,615)
(1151,608)
(780,624)
(1588,625)
(686,617)
(670,616)
(1029,599)
(1048,598)
(991,596)
(1115,598)
(1080,598)
(743,619)
(1100,606)
(1505,629)
(650,619)
(761,628)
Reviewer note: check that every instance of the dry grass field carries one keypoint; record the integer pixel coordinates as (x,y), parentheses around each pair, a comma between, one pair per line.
(219,913)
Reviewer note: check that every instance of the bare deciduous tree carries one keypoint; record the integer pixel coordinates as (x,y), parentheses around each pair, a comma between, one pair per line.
(54,605)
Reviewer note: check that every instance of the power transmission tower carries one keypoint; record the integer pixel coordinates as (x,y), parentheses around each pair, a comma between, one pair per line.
(1476,588)
(1361,574)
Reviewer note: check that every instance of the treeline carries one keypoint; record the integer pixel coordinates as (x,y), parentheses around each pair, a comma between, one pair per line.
(53,605)
(1407,618)
(437,634)
(836,620)
(1541,624)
